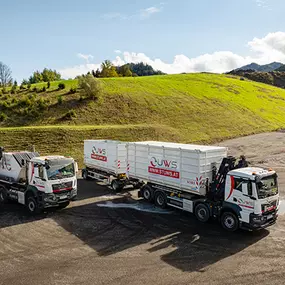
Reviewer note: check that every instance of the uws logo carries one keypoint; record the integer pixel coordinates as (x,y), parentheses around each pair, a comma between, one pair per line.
(99,153)
(163,167)
(164,163)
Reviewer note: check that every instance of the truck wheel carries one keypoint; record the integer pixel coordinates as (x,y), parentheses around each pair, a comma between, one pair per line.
(160,199)
(3,195)
(229,221)
(63,205)
(147,193)
(32,205)
(202,213)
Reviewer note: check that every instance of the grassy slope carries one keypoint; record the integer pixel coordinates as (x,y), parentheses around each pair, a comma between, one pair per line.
(186,108)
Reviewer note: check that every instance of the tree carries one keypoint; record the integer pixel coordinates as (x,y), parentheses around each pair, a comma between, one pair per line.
(25,82)
(5,75)
(15,83)
(45,76)
(89,86)
(125,71)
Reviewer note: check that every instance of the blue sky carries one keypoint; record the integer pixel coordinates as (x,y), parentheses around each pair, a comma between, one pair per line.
(174,35)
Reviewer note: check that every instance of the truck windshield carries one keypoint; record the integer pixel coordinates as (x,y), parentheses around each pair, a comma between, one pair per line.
(267,187)
(60,171)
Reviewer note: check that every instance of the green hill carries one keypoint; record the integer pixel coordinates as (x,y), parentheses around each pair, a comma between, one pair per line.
(185,108)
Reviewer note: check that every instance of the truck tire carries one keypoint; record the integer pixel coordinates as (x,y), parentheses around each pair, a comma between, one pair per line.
(3,195)
(229,221)
(147,193)
(117,185)
(32,205)
(63,205)
(202,213)
(160,199)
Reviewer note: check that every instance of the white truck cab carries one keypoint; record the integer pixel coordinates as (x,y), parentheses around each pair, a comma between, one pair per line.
(37,181)
(252,193)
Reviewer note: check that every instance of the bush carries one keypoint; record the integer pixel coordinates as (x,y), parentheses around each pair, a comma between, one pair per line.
(25,102)
(90,87)
(44,89)
(5,105)
(42,104)
(14,101)
(70,114)
(3,117)
(59,100)
(72,90)
(22,87)
(29,85)
(61,86)
(35,89)
(48,85)
(14,89)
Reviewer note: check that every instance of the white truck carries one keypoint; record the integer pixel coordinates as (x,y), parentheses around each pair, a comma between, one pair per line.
(105,160)
(38,182)
(205,181)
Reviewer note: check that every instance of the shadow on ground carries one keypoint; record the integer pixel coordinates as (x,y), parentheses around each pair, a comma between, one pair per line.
(175,236)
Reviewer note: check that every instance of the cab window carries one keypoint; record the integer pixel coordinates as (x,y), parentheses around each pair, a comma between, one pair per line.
(41,171)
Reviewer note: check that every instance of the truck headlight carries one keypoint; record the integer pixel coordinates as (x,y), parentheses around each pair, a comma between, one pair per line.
(258,218)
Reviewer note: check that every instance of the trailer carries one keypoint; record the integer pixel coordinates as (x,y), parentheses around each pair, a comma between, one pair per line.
(105,160)
(205,181)
(38,182)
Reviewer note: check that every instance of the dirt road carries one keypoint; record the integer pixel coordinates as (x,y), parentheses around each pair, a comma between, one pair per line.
(116,239)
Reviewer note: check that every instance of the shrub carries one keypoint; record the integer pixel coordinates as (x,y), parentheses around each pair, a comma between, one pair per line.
(35,89)
(25,102)
(3,117)
(48,85)
(70,114)
(42,104)
(61,86)
(14,101)
(14,89)
(90,87)
(22,87)
(59,100)
(29,85)
(5,105)
(44,89)
(72,90)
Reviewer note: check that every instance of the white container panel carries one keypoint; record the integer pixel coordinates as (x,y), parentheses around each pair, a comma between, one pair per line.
(106,155)
(181,166)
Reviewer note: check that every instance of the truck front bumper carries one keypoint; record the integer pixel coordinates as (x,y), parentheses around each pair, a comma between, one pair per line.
(55,199)
(258,222)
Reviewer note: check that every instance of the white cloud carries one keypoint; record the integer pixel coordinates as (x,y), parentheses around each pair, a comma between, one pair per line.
(263,4)
(87,57)
(263,50)
(145,13)
(117,51)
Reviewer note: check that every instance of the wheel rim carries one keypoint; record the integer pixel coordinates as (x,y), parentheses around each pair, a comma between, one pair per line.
(1,196)
(115,185)
(160,200)
(202,214)
(31,206)
(229,222)
(146,194)
(85,174)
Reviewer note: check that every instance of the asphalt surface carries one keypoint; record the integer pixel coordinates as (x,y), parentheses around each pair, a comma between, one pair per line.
(104,238)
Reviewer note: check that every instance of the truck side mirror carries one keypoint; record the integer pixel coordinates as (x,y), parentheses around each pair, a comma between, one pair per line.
(244,189)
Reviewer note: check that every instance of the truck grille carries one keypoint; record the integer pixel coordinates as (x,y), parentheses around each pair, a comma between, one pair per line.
(269,207)
(62,187)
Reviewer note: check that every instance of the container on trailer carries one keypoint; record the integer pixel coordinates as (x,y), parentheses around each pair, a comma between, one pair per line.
(105,155)
(181,166)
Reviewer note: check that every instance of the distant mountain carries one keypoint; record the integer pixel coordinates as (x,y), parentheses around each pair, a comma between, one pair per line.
(281,68)
(261,68)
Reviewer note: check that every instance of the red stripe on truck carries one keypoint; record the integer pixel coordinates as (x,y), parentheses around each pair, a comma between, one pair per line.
(232,187)
(99,157)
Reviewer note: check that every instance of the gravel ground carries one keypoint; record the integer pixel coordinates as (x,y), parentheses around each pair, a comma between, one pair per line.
(117,239)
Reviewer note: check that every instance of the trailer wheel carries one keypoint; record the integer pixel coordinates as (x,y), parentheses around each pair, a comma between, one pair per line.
(160,199)
(147,193)
(229,221)
(202,213)
(3,195)
(117,185)
(85,174)
(32,205)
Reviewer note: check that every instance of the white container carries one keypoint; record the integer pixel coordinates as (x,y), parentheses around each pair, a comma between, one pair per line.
(181,166)
(106,155)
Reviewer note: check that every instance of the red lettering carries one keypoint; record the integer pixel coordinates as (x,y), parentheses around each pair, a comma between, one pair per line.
(99,157)
(163,172)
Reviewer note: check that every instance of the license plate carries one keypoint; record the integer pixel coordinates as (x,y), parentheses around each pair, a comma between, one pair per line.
(63,197)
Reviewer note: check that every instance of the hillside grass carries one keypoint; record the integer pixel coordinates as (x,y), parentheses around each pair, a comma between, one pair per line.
(184,108)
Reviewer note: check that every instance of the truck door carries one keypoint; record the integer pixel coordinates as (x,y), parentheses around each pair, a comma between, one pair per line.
(38,177)
(241,196)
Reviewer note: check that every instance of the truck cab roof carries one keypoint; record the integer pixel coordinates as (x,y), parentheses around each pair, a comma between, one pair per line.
(251,172)
(42,159)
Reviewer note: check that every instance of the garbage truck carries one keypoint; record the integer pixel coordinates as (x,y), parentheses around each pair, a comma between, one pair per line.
(38,182)
(205,181)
